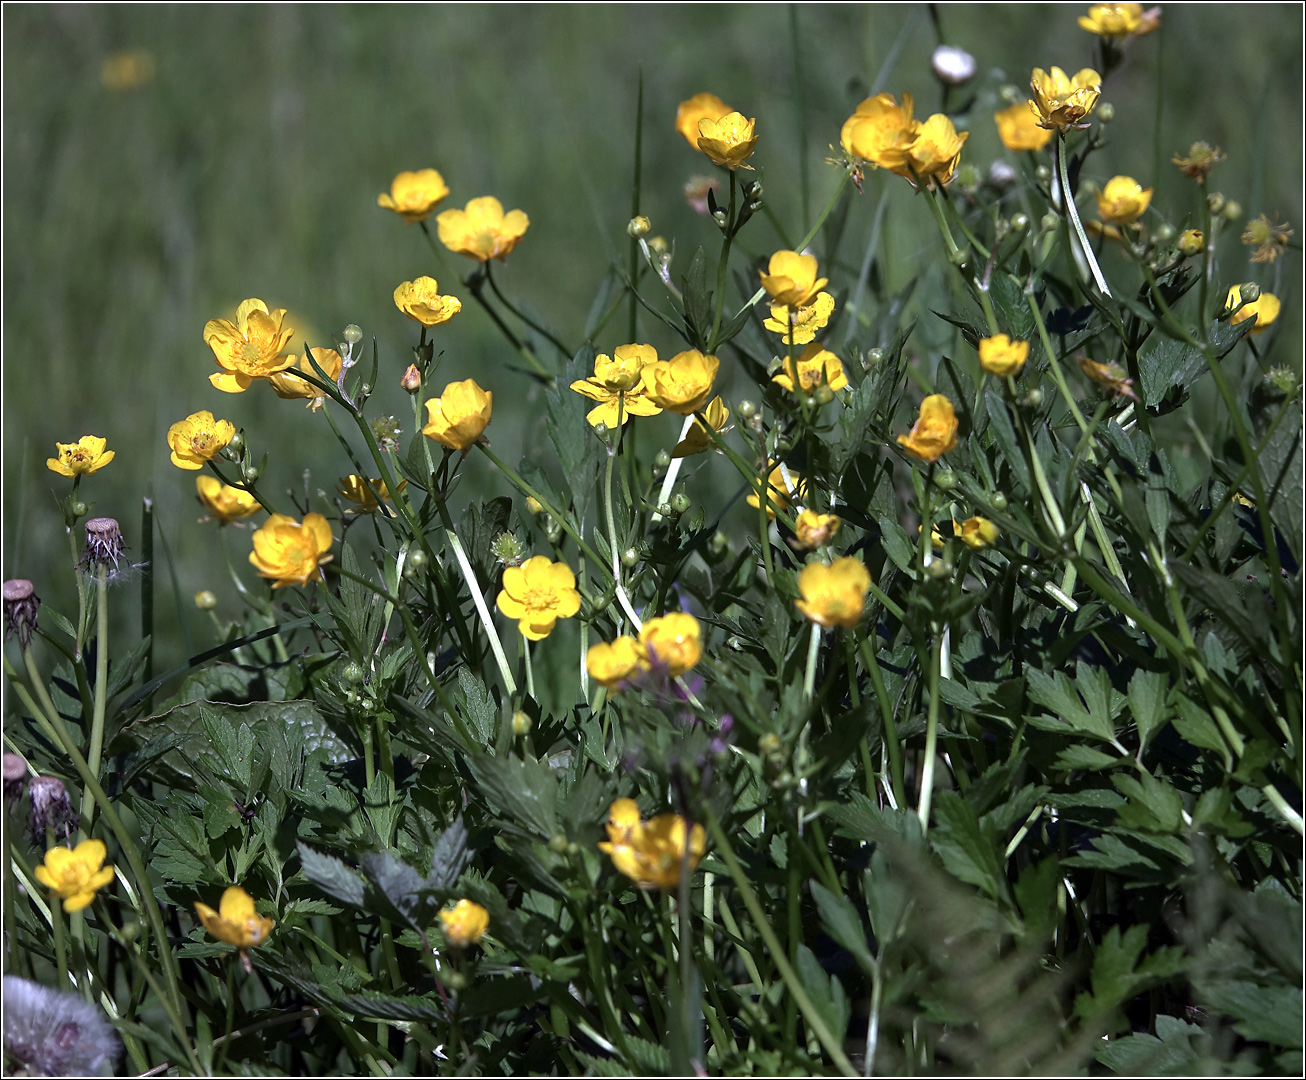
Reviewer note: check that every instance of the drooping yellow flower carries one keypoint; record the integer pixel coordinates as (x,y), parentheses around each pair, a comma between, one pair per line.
(290,552)
(976,532)
(1020,130)
(817,366)
(289,385)
(1060,101)
(458,416)
(813,530)
(697,440)
(934,153)
(1119,21)
(1123,200)
(728,140)
(235,922)
(1111,377)
(935,431)
(617,662)
(1268,237)
(672,642)
(790,279)
(881,132)
(537,594)
(420,299)
(1000,356)
(464,924)
(779,490)
(85,456)
(198,439)
(413,195)
(799,326)
(1265,309)
(253,347)
(356,491)
(700,107)
(651,853)
(618,385)
(482,231)
(834,595)
(75,875)
(683,383)
(224,502)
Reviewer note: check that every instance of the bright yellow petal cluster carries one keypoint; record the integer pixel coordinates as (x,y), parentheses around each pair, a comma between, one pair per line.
(198,439)
(672,642)
(617,662)
(464,924)
(1122,201)
(618,385)
(1060,101)
(1000,356)
(356,491)
(683,383)
(697,440)
(651,853)
(799,326)
(224,502)
(290,552)
(75,875)
(413,195)
(420,299)
(289,385)
(85,456)
(834,595)
(779,490)
(1019,129)
(537,594)
(458,416)
(934,153)
(881,131)
(1265,309)
(700,107)
(791,280)
(817,366)
(727,140)
(250,348)
(813,529)
(1116,21)
(235,922)
(976,532)
(935,431)
(482,231)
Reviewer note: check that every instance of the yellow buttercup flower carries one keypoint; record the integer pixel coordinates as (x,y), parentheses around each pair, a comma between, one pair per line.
(817,366)
(413,195)
(537,594)
(800,325)
(85,456)
(1020,130)
(464,924)
(289,385)
(790,279)
(935,431)
(1193,242)
(617,662)
(934,153)
(976,532)
(1123,200)
(813,530)
(356,491)
(699,107)
(198,439)
(651,853)
(881,132)
(482,231)
(672,642)
(250,348)
(683,383)
(420,299)
(1000,356)
(224,502)
(1117,21)
(235,922)
(834,595)
(290,552)
(75,875)
(779,491)
(618,385)
(1111,377)
(1265,309)
(1061,101)
(728,140)
(697,440)
(458,416)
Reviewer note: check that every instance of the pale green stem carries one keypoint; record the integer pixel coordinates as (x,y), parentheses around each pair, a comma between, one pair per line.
(723,265)
(931,737)
(1072,215)
(813,651)
(612,521)
(1036,467)
(60,949)
(1053,363)
(487,621)
(530,672)
(96,748)
(673,471)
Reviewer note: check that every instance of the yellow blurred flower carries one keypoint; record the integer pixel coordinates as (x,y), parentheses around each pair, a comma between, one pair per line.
(1265,309)
(936,537)
(75,875)
(779,491)
(683,383)
(817,366)
(1061,101)
(728,140)
(1193,242)
(85,456)
(482,231)
(356,491)
(1111,377)
(250,348)
(464,924)
(651,853)
(799,326)
(881,132)
(126,70)
(935,431)
(790,279)
(976,532)
(1019,129)
(224,502)
(1117,21)
(700,107)
(697,440)
(672,642)
(420,299)
(934,153)
(413,195)
(1269,238)
(1000,356)
(458,416)
(198,439)
(289,385)
(617,662)
(235,922)
(537,594)
(618,385)
(834,595)
(290,552)
(813,529)
(1123,200)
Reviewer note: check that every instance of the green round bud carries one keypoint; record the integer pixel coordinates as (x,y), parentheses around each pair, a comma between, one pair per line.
(999,501)
(1215,202)
(875,356)
(718,547)
(130,931)
(1250,291)
(630,557)
(573,849)
(770,744)
(237,443)
(353,334)
(416,559)
(720,218)
(1043,173)
(250,473)
(558,844)
(824,395)
(1049,221)
(680,503)
(79,508)
(365,389)
(810,401)
(1034,398)
(351,673)
(746,409)
(205,600)
(521,723)
(1233,210)
(601,430)
(1163,233)
(1019,222)
(663,460)
(939,569)
(945,480)
(553,531)
(638,226)
(454,980)
(1106,112)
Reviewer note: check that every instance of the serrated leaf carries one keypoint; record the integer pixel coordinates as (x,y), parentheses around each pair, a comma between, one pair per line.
(524,792)
(842,922)
(478,706)
(1271,1014)
(397,891)
(967,848)
(1154,804)
(1146,694)
(332,876)
(897,544)
(825,991)
(1168,1053)
(374,1005)
(450,856)
(1079,756)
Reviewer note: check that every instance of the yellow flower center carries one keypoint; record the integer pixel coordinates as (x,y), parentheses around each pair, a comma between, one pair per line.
(540,598)
(250,352)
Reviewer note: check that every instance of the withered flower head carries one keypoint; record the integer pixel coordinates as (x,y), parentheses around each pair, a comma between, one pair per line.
(50,808)
(104,546)
(1202,158)
(20,605)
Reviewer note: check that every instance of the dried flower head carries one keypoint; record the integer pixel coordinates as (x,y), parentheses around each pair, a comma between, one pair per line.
(49,807)
(15,779)
(1202,158)
(20,605)
(104,546)
(1269,238)
(53,1033)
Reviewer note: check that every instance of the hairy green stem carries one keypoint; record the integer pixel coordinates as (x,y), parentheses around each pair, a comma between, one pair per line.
(931,734)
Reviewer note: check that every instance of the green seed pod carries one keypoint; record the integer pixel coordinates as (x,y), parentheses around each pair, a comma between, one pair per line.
(946,480)
(999,501)
(1250,291)
(630,557)
(663,460)
(353,334)
(680,503)
(1019,222)
(1106,112)
(521,724)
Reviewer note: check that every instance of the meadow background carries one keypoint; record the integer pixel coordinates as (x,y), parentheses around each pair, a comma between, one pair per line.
(250,163)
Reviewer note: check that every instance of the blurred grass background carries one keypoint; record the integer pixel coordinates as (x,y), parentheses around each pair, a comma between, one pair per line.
(249,165)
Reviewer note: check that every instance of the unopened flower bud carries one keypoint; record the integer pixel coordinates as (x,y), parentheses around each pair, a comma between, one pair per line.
(454,980)
(1163,233)
(1192,242)
(770,744)
(1043,173)
(533,505)
(205,600)
(20,605)
(1002,175)
(104,546)
(1233,210)
(657,245)
(416,559)
(553,531)
(411,379)
(939,569)
(718,547)
(630,557)
(1106,112)
(521,723)
(351,673)
(1033,399)
(663,460)
(353,334)
(1019,222)
(79,508)
(251,472)
(1251,292)
(874,357)
(746,409)
(720,218)
(638,226)
(999,500)
(601,430)
(952,66)
(945,480)
(237,444)
(810,401)
(1048,222)
(680,503)
(969,179)
(1215,202)
(558,844)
